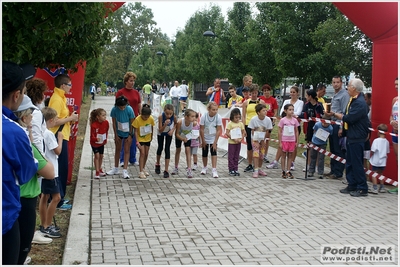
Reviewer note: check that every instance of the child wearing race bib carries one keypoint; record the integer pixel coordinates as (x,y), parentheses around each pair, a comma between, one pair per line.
(260,126)
(122,117)
(210,130)
(166,126)
(322,131)
(98,138)
(235,132)
(195,143)
(183,134)
(288,139)
(143,125)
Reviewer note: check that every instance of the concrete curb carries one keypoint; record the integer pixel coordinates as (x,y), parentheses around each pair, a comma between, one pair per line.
(76,251)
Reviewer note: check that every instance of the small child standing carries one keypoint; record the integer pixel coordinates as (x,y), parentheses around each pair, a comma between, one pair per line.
(288,139)
(184,134)
(143,125)
(122,117)
(52,147)
(195,143)
(260,126)
(379,151)
(166,127)
(322,131)
(235,132)
(98,138)
(210,130)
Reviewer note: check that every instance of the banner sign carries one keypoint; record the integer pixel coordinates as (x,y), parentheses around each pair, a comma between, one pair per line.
(74,100)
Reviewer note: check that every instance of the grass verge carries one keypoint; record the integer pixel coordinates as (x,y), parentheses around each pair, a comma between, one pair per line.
(52,254)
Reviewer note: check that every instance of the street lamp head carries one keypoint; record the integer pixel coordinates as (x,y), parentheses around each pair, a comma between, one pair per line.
(159,53)
(208,34)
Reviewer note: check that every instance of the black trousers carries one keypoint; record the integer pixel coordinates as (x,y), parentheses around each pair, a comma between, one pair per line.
(10,245)
(27,223)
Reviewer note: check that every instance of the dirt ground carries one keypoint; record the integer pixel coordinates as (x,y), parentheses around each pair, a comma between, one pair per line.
(52,254)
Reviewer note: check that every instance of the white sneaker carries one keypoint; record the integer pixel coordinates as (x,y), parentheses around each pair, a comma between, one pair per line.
(273,165)
(194,167)
(39,238)
(204,171)
(125,174)
(214,173)
(292,167)
(135,163)
(121,164)
(113,171)
(27,260)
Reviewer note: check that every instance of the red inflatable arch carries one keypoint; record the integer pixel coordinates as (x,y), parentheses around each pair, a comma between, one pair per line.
(379,20)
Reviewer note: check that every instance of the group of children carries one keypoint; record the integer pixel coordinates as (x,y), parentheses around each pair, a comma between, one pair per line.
(204,133)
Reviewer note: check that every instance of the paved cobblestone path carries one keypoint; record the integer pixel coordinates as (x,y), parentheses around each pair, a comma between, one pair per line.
(229,220)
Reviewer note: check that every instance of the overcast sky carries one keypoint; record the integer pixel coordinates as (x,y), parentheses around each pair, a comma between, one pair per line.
(173,15)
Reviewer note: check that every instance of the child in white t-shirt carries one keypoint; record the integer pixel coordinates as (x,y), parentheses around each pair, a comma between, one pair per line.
(260,126)
(379,151)
(210,130)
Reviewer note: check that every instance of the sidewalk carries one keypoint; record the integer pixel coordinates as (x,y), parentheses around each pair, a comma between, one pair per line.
(230,220)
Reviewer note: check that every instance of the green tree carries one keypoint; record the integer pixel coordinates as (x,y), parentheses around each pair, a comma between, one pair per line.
(54,32)
(133,31)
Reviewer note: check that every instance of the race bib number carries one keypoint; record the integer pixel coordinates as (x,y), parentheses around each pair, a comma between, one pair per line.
(145,130)
(288,130)
(212,130)
(102,137)
(258,136)
(236,133)
(322,134)
(195,134)
(123,126)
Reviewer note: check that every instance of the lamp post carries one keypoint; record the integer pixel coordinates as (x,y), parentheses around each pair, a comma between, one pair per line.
(210,33)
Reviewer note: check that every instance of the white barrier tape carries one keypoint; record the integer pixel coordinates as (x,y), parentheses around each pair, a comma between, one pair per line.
(342,160)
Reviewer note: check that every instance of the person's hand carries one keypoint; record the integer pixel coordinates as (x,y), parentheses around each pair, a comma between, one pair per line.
(28,119)
(203,145)
(167,122)
(340,132)
(238,140)
(74,116)
(170,132)
(185,140)
(214,146)
(328,114)
(61,136)
(280,144)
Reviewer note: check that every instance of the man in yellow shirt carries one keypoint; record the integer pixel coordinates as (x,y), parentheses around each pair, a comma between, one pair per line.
(58,101)
(234,99)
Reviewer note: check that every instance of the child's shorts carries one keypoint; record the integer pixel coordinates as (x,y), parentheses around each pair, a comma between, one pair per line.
(375,168)
(99,150)
(194,150)
(178,143)
(205,151)
(288,146)
(258,149)
(50,186)
(144,143)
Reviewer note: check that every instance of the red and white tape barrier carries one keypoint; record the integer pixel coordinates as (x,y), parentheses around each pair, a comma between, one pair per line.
(342,160)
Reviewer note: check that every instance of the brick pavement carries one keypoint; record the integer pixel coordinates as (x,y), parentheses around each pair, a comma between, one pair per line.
(224,221)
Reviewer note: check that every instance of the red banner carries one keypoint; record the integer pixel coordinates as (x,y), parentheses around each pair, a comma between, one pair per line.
(74,100)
